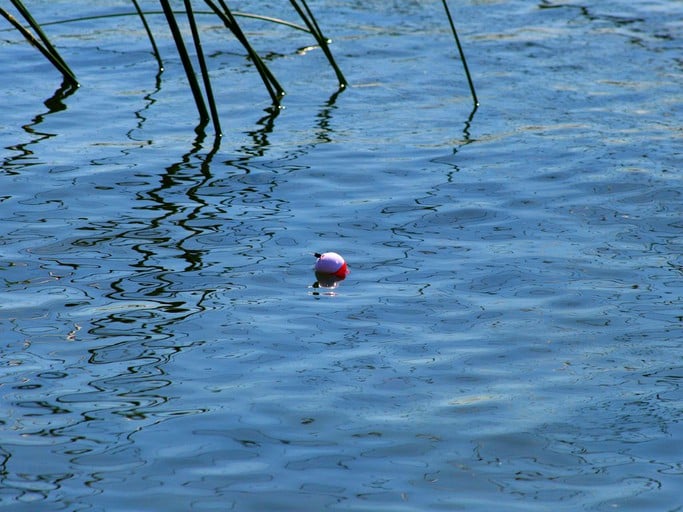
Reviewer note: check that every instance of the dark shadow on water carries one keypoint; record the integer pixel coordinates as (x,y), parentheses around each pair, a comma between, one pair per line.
(259,136)
(178,182)
(260,142)
(140,114)
(124,380)
(324,116)
(466,140)
(55,104)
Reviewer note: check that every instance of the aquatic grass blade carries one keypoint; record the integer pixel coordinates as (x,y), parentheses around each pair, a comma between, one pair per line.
(274,88)
(46,48)
(204,68)
(187,63)
(462,55)
(307,16)
(155,49)
(63,66)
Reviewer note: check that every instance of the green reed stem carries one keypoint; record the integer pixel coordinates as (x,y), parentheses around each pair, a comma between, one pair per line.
(46,48)
(70,76)
(157,55)
(187,63)
(204,69)
(307,16)
(272,85)
(236,14)
(462,55)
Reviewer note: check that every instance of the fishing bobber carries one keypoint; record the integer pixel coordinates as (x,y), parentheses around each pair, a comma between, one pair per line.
(330,264)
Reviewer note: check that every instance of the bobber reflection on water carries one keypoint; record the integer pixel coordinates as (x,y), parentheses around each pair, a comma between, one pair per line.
(330,268)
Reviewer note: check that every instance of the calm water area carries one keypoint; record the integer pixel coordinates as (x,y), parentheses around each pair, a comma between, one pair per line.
(510,336)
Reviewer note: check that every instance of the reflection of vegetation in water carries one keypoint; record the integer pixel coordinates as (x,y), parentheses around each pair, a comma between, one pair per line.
(202,92)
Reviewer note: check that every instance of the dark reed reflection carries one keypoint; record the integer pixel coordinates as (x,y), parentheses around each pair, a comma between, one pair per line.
(140,320)
(134,331)
(260,143)
(55,104)
(142,114)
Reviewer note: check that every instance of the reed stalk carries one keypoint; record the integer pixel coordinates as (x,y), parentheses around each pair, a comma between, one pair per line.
(44,47)
(462,56)
(70,76)
(272,85)
(187,63)
(204,69)
(155,50)
(307,16)
(228,17)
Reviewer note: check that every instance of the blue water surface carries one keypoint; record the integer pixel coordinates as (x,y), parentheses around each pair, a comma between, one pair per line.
(509,337)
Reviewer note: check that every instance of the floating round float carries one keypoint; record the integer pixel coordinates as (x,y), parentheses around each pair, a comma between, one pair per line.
(330,268)
(332,264)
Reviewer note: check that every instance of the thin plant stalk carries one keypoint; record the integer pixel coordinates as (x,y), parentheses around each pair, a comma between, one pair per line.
(236,14)
(258,61)
(187,63)
(157,55)
(462,55)
(51,56)
(63,67)
(204,68)
(307,16)
(272,85)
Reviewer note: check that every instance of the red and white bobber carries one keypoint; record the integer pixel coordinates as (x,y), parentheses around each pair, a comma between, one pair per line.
(332,264)
(330,268)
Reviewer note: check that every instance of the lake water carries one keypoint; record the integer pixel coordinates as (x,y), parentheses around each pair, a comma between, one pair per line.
(509,337)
